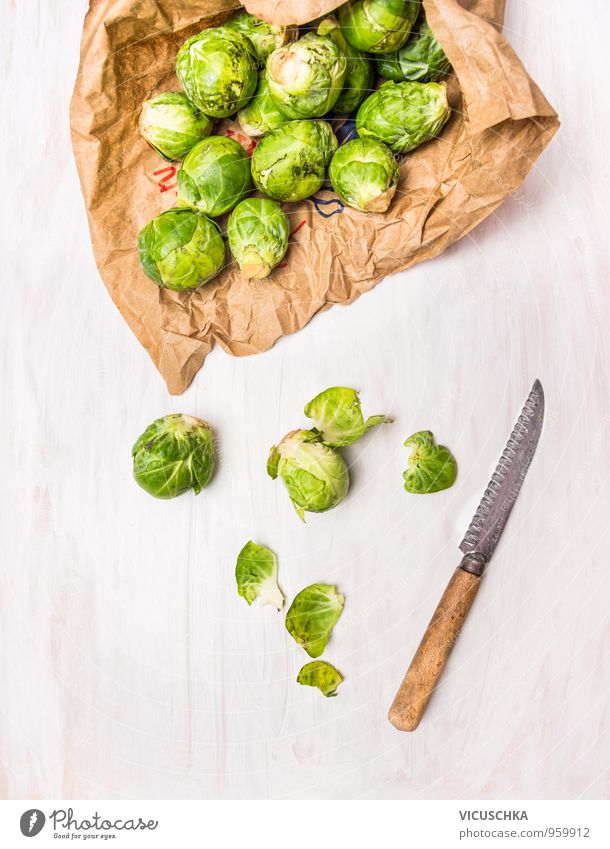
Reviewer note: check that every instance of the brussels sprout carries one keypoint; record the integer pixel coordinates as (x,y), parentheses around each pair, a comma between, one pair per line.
(378,26)
(320,674)
(290,163)
(172,125)
(312,616)
(174,454)
(364,174)
(422,58)
(181,249)
(214,176)
(260,116)
(258,232)
(264,37)
(306,77)
(432,467)
(315,475)
(404,115)
(360,72)
(217,70)
(256,575)
(338,418)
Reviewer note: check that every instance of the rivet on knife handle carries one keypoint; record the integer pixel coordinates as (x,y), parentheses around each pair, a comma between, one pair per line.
(435,647)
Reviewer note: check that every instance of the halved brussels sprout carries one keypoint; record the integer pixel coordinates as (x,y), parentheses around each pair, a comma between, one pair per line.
(378,26)
(422,58)
(264,37)
(258,232)
(172,125)
(432,467)
(256,575)
(214,176)
(181,249)
(337,416)
(290,163)
(320,674)
(261,116)
(217,70)
(404,115)
(360,73)
(312,616)
(315,475)
(306,77)
(365,174)
(174,454)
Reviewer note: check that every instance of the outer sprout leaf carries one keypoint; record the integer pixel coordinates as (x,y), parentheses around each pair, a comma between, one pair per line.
(313,615)
(337,415)
(322,675)
(432,467)
(256,575)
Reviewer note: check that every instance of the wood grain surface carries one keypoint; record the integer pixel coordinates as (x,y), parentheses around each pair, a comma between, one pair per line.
(130,667)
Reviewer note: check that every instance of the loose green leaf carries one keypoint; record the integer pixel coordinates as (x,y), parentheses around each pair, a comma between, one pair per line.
(322,675)
(256,575)
(337,415)
(432,467)
(313,615)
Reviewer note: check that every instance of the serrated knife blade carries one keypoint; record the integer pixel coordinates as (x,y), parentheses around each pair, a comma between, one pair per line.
(478,546)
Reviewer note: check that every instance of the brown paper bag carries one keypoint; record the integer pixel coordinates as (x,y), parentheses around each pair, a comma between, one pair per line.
(500,125)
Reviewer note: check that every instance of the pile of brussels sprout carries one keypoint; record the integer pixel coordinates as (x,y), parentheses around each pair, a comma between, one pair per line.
(282,84)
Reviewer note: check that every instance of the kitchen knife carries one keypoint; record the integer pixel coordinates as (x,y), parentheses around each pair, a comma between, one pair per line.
(478,547)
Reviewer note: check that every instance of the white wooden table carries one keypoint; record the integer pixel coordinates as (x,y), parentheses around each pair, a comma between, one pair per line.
(129,665)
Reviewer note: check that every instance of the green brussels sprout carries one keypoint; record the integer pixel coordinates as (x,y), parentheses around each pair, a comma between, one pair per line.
(378,26)
(306,78)
(258,232)
(312,616)
(315,475)
(290,163)
(404,115)
(172,125)
(320,674)
(217,70)
(214,176)
(261,116)
(422,58)
(360,73)
(174,454)
(181,249)
(432,467)
(364,174)
(338,418)
(256,575)
(264,37)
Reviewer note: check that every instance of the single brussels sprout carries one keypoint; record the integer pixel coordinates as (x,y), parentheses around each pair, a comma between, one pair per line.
(217,70)
(174,454)
(306,78)
(256,575)
(360,73)
(214,176)
(432,467)
(172,125)
(338,418)
(290,163)
(258,232)
(378,26)
(364,174)
(422,58)
(404,115)
(312,616)
(320,674)
(181,249)
(261,116)
(264,37)
(315,475)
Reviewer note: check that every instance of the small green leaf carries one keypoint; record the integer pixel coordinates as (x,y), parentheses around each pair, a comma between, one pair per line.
(313,615)
(432,467)
(256,575)
(322,675)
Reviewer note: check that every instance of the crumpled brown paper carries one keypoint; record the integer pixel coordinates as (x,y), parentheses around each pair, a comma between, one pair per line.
(501,124)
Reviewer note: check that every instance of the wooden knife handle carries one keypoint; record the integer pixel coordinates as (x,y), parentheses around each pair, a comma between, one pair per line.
(422,675)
